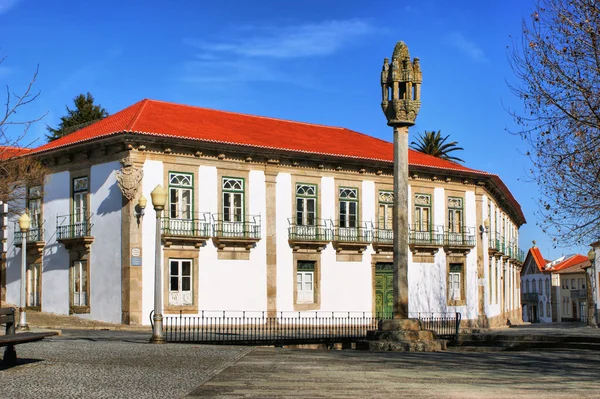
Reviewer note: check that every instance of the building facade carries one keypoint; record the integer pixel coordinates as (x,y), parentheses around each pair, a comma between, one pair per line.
(536,288)
(263,215)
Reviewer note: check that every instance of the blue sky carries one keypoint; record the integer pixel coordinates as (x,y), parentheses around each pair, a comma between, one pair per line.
(312,61)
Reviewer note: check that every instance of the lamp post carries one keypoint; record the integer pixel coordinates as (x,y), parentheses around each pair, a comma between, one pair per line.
(591,320)
(159,199)
(24,224)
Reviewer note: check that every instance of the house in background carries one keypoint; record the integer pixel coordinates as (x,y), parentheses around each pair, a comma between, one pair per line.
(536,290)
(571,278)
(263,215)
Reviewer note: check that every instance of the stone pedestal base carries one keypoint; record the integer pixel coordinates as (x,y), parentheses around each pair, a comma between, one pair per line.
(401,335)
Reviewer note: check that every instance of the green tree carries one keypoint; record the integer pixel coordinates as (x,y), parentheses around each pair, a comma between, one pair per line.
(557,65)
(85,113)
(433,143)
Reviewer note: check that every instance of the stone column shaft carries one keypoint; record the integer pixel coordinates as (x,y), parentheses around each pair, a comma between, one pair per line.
(400,222)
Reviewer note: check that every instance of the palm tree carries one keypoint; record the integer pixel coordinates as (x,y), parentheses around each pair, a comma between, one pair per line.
(432,143)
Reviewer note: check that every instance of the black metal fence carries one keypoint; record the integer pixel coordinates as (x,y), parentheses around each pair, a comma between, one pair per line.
(256,328)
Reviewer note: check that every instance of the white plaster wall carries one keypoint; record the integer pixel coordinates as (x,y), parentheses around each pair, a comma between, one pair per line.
(153,176)
(208,264)
(543,297)
(105,257)
(13,258)
(285,258)
(55,262)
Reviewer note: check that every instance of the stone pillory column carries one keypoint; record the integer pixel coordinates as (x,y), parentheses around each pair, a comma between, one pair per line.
(401,100)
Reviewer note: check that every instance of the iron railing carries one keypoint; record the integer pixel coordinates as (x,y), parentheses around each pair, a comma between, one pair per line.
(320,230)
(383,236)
(361,233)
(520,256)
(419,236)
(578,293)
(256,328)
(249,228)
(195,227)
(529,297)
(67,227)
(35,233)
(465,237)
(497,242)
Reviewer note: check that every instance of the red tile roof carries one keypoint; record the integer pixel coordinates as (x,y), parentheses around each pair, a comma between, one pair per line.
(538,258)
(10,151)
(158,118)
(575,260)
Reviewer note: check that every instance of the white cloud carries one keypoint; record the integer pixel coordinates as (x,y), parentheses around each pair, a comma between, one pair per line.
(7,5)
(307,40)
(468,47)
(262,53)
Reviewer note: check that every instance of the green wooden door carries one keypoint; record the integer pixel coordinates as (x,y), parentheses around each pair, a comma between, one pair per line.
(384,290)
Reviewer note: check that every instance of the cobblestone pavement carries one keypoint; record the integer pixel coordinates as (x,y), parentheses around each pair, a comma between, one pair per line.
(119,364)
(286,373)
(129,367)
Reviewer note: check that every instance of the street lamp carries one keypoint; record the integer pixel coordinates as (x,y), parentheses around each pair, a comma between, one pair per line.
(24,224)
(590,295)
(159,199)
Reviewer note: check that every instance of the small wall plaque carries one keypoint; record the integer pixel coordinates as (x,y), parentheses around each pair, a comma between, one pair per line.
(136,261)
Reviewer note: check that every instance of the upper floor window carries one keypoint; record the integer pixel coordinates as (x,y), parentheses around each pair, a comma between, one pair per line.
(348,207)
(386,210)
(181,194)
(540,288)
(526,286)
(34,205)
(455,214)
(422,212)
(233,199)
(306,204)
(80,191)
(547,287)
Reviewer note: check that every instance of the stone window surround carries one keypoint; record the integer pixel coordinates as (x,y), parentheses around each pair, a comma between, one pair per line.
(75,256)
(181,253)
(451,259)
(234,174)
(311,257)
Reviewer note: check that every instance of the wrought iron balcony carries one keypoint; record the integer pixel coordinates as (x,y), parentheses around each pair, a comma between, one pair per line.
(497,244)
(315,236)
(529,297)
(71,230)
(464,236)
(352,238)
(236,233)
(520,255)
(578,294)
(182,230)
(383,239)
(34,234)
(427,241)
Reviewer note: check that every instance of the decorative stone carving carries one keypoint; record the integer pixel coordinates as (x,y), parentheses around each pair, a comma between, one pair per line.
(401,87)
(129,178)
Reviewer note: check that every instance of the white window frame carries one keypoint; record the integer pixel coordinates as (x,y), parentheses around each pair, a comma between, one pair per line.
(79,285)
(233,199)
(348,207)
(181,296)
(386,210)
(455,283)
(306,196)
(180,185)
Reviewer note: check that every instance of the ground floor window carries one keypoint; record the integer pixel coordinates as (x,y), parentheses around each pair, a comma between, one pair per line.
(305,282)
(455,282)
(547,310)
(80,286)
(180,282)
(33,284)
(541,309)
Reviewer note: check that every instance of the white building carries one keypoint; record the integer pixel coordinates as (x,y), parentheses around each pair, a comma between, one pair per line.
(536,288)
(263,215)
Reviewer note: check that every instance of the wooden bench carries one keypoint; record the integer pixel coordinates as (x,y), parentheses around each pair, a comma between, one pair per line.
(10,339)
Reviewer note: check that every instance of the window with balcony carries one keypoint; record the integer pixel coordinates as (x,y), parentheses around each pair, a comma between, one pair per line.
(422,218)
(350,234)
(34,208)
(74,230)
(181,196)
(348,210)
(80,193)
(233,200)
(306,230)
(383,239)
(233,227)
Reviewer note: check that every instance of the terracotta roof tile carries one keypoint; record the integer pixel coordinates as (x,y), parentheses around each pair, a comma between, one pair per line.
(158,118)
(538,258)
(575,260)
